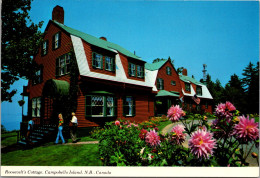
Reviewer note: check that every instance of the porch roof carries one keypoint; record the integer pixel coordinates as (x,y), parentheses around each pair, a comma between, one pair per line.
(166,93)
(55,87)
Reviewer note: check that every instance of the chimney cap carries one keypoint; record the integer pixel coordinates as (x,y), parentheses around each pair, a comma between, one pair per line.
(103,38)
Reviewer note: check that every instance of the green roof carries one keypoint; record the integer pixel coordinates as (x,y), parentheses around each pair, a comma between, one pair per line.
(192,80)
(155,66)
(101,92)
(96,41)
(166,93)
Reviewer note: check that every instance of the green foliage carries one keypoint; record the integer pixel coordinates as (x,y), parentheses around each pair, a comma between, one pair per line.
(3,129)
(20,42)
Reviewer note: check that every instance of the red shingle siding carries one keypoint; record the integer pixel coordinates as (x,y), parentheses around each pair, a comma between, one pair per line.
(49,60)
(168,78)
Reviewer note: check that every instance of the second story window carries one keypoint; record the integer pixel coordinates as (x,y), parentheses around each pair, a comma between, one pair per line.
(37,78)
(160,84)
(45,47)
(109,63)
(97,60)
(131,70)
(187,87)
(63,64)
(173,83)
(56,41)
(199,90)
(168,71)
(140,71)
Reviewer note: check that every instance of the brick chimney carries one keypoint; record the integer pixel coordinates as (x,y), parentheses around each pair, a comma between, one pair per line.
(58,14)
(103,38)
(184,72)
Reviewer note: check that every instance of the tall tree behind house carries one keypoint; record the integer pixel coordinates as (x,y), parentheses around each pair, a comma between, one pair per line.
(20,41)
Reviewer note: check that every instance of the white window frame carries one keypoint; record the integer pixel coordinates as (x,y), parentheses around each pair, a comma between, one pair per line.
(36,107)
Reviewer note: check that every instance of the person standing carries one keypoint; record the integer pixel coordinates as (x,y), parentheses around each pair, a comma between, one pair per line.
(60,128)
(73,128)
(29,131)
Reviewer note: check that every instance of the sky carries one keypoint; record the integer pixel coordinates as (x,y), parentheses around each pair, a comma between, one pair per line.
(223,35)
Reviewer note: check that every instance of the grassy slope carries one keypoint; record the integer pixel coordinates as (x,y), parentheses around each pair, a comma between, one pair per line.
(54,155)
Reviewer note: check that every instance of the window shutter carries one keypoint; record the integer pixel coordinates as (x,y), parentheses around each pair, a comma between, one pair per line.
(88,111)
(93,60)
(115,106)
(42,48)
(124,106)
(59,41)
(142,73)
(41,76)
(113,64)
(162,84)
(101,61)
(53,42)
(133,106)
(57,67)
(47,46)
(129,69)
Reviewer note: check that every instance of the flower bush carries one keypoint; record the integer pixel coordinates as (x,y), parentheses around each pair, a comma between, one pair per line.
(194,141)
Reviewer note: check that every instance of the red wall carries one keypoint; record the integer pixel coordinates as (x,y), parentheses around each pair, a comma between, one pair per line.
(168,78)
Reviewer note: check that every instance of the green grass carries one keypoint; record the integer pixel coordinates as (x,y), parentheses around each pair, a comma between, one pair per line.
(163,124)
(54,155)
(8,138)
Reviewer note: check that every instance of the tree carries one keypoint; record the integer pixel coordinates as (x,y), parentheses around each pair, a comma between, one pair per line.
(20,42)
(251,85)
(235,93)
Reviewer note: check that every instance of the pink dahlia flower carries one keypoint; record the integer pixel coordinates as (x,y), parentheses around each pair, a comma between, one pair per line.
(117,123)
(177,135)
(225,109)
(152,138)
(175,113)
(202,143)
(246,129)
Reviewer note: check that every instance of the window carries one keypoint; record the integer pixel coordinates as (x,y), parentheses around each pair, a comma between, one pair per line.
(36,107)
(160,84)
(129,106)
(45,45)
(37,78)
(187,86)
(63,64)
(97,60)
(199,90)
(131,70)
(109,63)
(173,83)
(140,71)
(168,71)
(100,106)
(56,41)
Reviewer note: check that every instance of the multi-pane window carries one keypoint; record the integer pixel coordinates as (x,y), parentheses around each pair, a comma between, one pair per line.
(100,106)
(109,63)
(160,84)
(36,107)
(63,64)
(198,90)
(173,83)
(37,78)
(97,60)
(168,71)
(140,71)
(132,70)
(56,41)
(187,86)
(129,106)
(45,47)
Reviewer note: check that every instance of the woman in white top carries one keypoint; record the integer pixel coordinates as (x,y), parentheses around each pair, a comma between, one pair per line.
(73,128)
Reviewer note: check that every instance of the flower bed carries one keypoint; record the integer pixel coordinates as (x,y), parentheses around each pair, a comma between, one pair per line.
(220,143)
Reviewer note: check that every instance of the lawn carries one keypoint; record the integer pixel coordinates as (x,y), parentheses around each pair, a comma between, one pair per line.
(8,138)
(53,155)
